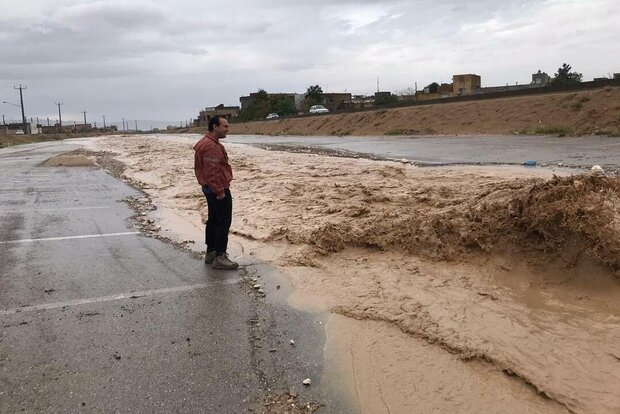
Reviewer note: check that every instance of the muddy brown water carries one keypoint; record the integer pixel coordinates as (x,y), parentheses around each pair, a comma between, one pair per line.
(545,335)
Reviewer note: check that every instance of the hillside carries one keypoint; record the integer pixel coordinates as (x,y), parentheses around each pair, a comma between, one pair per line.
(571,113)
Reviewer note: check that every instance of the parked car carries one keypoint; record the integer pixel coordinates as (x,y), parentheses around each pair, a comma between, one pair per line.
(272,115)
(318,109)
(19,132)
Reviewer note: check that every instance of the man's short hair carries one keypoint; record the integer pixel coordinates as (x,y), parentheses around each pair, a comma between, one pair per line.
(213,121)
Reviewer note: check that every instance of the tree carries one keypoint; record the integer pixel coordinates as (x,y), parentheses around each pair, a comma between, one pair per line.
(258,109)
(264,103)
(282,105)
(409,91)
(433,87)
(314,93)
(564,76)
(385,98)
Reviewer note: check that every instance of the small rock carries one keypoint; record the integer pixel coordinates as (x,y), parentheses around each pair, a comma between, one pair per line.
(597,170)
(292,343)
(307,382)
(256,286)
(560,164)
(278,287)
(261,291)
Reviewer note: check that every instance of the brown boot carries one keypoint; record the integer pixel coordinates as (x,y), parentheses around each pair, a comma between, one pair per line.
(223,262)
(209,257)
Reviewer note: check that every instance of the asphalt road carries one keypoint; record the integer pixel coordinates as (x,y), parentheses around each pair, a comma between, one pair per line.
(432,150)
(98,317)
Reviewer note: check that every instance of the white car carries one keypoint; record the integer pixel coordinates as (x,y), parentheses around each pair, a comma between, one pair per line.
(19,132)
(318,109)
(272,116)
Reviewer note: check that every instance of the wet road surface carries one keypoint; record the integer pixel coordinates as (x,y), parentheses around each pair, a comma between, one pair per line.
(433,150)
(95,316)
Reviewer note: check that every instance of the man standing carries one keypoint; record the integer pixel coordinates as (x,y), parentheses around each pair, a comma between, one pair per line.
(214,175)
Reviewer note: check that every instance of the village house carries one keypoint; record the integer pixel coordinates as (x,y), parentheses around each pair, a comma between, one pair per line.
(336,101)
(228,112)
(295,98)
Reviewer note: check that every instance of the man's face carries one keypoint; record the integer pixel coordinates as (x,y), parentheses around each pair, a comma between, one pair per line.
(221,130)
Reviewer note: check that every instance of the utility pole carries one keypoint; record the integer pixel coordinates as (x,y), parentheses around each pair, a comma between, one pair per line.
(136,121)
(123,124)
(59,116)
(3,123)
(48,121)
(377,84)
(104,122)
(84,112)
(21,99)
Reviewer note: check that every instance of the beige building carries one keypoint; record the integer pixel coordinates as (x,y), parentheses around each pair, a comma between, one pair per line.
(465,84)
(336,101)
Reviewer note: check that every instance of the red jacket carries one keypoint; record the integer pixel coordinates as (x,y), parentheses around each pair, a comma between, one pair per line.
(211,164)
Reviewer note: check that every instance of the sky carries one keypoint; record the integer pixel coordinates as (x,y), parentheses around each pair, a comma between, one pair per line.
(164,60)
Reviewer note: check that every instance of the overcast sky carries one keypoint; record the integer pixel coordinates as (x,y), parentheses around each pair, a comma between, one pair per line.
(166,59)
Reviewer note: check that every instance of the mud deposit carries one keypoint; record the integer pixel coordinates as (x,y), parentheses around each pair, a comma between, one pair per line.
(506,280)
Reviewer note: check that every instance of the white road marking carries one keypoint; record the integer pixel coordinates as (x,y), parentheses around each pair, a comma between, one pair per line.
(88,236)
(120,296)
(54,209)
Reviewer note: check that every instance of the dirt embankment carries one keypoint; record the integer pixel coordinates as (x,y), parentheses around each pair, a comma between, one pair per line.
(10,140)
(583,113)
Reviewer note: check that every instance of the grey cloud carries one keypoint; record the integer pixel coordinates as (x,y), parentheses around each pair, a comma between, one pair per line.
(214,53)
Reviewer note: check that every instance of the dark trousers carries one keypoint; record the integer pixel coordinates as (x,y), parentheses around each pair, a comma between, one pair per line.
(218,222)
